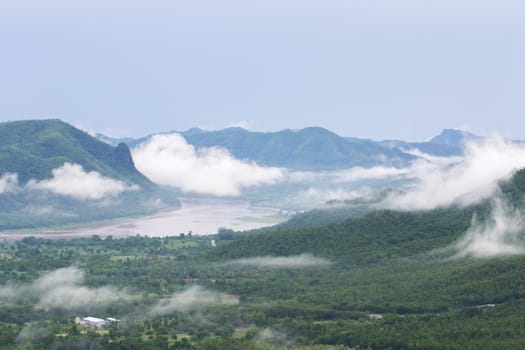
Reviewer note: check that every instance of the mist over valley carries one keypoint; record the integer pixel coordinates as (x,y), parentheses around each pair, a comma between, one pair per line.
(262,175)
(193,239)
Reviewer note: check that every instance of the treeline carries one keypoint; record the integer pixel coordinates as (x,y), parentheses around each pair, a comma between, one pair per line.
(379,235)
(424,301)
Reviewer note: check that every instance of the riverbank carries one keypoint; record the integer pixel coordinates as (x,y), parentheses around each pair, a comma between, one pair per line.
(200,216)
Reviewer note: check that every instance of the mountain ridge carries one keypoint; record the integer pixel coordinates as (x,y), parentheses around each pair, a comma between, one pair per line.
(316,148)
(375,236)
(55,174)
(33,148)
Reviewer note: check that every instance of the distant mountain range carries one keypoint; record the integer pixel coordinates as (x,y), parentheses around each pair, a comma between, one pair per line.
(309,148)
(316,148)
(37,157)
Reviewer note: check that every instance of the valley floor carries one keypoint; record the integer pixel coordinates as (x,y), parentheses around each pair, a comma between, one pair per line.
(174,293)
(200,216)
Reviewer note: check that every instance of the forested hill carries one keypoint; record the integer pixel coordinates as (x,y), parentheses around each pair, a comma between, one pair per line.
(108,186)
(514,188)
(379,235)
(316,148)
(376,236)
(33,148)
(309,148)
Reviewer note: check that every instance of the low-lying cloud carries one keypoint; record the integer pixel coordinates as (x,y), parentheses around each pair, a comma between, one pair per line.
(295,261)
(429,182)
(191,298)
(63,288)
(315,188)
(438,160)
(269,335)
(322,195)
(72,181)
(470,181)
(33,332)
(9,183)
(351,175)
(499,235)
(373,173)
(169,160)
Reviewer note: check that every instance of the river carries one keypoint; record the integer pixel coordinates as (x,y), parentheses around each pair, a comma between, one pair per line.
(198,216)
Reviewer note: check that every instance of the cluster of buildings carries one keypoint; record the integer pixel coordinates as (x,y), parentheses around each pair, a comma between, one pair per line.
(95,322)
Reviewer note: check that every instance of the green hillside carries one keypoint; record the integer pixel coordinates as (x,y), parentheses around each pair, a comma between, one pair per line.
(33,148)
(312,148)
(309,148)
(316,148)
(375,236)
(391,265)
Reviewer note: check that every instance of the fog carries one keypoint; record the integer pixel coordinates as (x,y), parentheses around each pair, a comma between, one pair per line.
(317,195)
(427,183)
(191,298)
(63,288)
(33,332)
(470,181)
(69,180)
(8,183)
(168,159)
(274,337)
(498,235)
(377,172)
(72,181)
(296,261)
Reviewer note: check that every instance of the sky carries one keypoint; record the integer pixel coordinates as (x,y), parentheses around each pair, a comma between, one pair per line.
(378,69)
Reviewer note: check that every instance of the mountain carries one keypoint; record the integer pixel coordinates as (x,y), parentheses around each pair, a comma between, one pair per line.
(311,148)
(33,148)
(453,137)
(53,173)
(450,142)
(316,148)
(378,235)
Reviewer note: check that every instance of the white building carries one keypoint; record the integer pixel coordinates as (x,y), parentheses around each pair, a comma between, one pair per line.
(95,322)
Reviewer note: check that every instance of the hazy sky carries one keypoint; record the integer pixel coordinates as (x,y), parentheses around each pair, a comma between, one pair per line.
(367,68)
